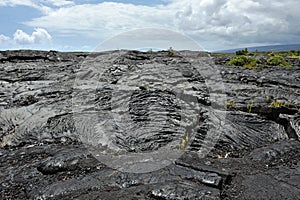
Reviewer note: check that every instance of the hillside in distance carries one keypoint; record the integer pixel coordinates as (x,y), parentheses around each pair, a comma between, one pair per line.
(275,48)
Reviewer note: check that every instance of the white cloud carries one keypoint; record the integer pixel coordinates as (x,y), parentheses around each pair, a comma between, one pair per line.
(32,3)
(37,37)
(104,20)
(3,38)
(58,3)
(238,21)
(45,6)
(213,23)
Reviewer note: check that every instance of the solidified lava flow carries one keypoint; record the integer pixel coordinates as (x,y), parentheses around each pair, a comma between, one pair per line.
(52,115)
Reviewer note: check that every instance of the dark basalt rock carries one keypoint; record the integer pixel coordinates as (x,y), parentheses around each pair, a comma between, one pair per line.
(253,130)
(275,151)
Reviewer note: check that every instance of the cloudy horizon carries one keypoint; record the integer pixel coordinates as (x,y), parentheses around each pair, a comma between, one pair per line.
(81,25)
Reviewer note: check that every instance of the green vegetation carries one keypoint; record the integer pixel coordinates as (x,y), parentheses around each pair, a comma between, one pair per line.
(250,106)
(245,52)
(277,104)
(267,99)
(278,61)
(184,142)
(230,104)
(171,52)
(242,52)
(290,54)
(258,60)
(244,61)
(271,54)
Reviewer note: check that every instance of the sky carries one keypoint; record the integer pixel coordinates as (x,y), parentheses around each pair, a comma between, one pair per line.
(83,25)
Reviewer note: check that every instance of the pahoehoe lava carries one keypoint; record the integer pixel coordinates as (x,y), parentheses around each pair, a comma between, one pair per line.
(256,156)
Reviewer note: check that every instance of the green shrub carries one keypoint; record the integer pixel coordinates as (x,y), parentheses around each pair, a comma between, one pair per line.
(278,61)
(293,53)
(271,54)
(242,52)
(250,106)
(171,52)
(230,104)
(277,104)
(244,61)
